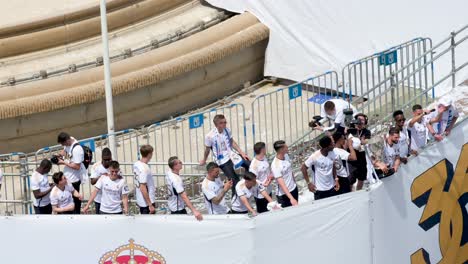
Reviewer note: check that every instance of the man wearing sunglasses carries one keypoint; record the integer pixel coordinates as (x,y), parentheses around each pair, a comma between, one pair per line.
(403,144)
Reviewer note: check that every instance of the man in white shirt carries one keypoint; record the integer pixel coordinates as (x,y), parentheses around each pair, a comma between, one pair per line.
(441,122)
(114,192)
(177,196)
(287,194)
(245,189)
(333,110)
(99,169)
(214,190)
(418,129)
(403,144)
(41,188)
(74,169)
(220,141)
(322,162)
(391,155)
(261,168)
(145,188)
(62,195)
(341,162)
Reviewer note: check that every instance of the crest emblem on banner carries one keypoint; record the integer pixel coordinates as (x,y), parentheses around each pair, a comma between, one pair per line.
(132,254)
(443,191)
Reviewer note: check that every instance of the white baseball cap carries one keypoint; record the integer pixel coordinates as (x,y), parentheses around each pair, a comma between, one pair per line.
(445,101)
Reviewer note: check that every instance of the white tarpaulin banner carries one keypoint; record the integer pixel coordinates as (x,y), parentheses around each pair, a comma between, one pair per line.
(419,215)
(311,37)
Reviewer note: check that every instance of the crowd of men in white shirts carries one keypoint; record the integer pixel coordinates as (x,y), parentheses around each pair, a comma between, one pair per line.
(340,162)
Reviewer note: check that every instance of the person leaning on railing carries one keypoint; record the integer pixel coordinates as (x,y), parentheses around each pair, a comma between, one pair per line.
(442,121)
(390,162)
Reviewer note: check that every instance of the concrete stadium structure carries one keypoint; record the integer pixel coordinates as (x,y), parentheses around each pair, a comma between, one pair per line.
(192,71)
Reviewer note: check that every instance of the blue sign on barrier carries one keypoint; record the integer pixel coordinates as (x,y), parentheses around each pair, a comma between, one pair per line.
(295,91)
(320,98)
(196,121)
(388,58)
(89,143)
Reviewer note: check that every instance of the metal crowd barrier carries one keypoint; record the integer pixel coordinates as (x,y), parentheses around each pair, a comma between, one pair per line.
(370,81)
(15,195)
(185,136)
(286,112)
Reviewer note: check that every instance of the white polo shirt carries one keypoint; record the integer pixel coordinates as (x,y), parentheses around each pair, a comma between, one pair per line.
(403,144)
(261,169)
(340,105)
(341,162)
(389,154)
(446,119)
(143,174)
(175,187)
(112,192)
(96,172)
(242,190)
(220,144)
(283,169)
(211,189)
(40,182)
(323,169)
(76,157)
(60,198)
(419,135)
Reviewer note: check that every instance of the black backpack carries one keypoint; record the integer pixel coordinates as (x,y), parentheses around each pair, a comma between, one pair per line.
(88,154)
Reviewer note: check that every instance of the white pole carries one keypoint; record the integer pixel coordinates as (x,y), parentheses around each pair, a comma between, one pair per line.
(107,81)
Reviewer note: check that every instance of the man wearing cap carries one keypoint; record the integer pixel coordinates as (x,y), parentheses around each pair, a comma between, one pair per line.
(442,121)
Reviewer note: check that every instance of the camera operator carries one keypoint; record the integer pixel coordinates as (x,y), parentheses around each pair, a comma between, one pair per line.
(359,134)
(74,170)
(391,155)
(336,111)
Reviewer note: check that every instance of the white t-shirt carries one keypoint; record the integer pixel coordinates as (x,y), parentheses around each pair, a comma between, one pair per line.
(112,192)
(242,190)
(261,169)
(340,105)
(389,154)
(403,144)
(220,144)
(341,162)
(96,172)
(175,186)
(446,120)
(211,189)
(283,169)
(61,198)
(1,176)
(143,174)
(323,169)
(419,135)
(40,182)
(76,157)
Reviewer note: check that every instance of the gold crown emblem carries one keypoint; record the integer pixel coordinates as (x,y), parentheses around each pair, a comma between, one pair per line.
(137,254)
